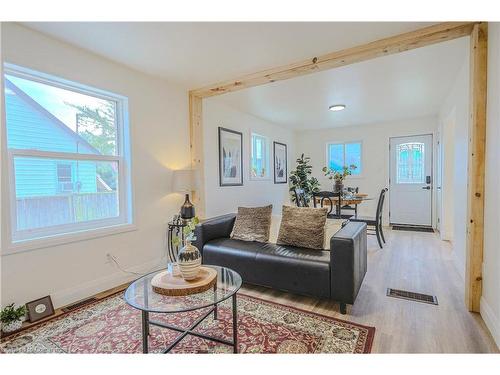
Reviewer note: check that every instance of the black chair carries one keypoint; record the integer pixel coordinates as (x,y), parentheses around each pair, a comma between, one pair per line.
(300,197)
(374,224)
(321,196)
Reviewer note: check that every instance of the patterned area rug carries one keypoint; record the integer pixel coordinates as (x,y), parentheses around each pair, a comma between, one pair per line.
(111,326)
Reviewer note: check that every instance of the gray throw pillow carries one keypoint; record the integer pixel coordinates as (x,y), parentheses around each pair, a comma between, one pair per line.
(253,224)
(302,227)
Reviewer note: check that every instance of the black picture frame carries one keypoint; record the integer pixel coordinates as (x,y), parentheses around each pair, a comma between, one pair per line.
(33,307)
(222,181)
(284,178)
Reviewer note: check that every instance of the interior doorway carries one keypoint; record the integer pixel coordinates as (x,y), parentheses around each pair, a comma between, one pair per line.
(411,180)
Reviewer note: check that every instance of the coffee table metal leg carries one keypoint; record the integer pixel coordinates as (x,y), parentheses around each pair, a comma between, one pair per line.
(215,301)
(145,331)
(235,324)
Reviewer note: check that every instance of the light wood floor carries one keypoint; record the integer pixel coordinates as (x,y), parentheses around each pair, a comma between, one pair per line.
(413,261)
(417,262)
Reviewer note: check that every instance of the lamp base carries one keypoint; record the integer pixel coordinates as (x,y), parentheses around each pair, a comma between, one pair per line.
(187,209)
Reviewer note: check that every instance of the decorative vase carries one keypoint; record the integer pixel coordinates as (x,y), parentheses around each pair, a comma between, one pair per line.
(338,187)
(189,261)
(12,326)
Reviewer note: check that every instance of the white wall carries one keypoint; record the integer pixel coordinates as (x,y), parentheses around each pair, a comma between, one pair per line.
(160,142)
(490,301)
(454,128)
(221,200)
(375,154)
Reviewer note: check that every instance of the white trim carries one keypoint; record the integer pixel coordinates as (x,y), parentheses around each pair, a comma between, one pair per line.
(62,155)
(49,236)
(85,290)
(327,155)
(54,81)
(491,321)
(65,238)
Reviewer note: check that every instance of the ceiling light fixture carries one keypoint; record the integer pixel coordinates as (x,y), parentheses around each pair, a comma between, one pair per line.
(337,107)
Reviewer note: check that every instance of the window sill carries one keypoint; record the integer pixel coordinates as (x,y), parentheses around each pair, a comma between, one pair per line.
(57,240)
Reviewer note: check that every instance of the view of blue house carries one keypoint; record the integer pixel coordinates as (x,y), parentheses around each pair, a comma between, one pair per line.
(32,127)
(73,189)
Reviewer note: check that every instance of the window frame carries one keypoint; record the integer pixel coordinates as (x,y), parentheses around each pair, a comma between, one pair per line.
(267,159)
(23,240)
(344,143)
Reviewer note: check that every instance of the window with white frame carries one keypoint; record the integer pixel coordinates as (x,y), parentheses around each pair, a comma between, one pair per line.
(340,155)
(68,156)
(259,161)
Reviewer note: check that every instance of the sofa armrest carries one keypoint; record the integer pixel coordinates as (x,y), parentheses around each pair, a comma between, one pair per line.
(348,262)
(216,227)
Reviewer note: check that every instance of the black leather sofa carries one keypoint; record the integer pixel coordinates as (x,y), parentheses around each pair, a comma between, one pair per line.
(335,274)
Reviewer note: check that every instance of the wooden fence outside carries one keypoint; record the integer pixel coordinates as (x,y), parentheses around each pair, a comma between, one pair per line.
(37,212)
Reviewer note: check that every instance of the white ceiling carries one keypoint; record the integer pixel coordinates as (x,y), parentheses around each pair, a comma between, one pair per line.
(402,86)
(196,54)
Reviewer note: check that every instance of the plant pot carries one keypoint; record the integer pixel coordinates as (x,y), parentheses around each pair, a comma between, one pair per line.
(12,326)
(189,261)
(338,187)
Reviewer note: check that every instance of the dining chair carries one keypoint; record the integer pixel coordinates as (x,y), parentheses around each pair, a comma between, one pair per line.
(323,196)
(375,224)
(300,197)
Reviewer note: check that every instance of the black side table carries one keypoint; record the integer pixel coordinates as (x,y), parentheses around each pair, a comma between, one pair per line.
(175,230)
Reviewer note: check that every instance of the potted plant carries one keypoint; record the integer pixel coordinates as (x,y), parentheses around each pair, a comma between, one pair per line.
(300,178)
(11,317)
(338,176)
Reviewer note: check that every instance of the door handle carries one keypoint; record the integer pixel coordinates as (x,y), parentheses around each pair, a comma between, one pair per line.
(426,188)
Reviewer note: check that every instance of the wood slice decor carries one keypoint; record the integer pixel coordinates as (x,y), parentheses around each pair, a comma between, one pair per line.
(169,285)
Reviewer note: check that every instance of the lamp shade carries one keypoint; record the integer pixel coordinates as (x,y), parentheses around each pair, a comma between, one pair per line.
(183,180)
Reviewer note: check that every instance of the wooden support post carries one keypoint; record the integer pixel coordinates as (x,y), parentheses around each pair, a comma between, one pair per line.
(196,148)
(477,144)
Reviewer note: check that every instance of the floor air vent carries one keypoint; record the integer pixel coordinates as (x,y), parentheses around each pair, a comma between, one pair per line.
(412,228)
(78,304)
(403,294)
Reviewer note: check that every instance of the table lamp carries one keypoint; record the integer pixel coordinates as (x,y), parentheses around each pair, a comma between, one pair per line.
(183,181)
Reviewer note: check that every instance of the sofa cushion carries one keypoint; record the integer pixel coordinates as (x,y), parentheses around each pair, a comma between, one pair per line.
(294,269)
(302,227)
(331,227)
(253,223)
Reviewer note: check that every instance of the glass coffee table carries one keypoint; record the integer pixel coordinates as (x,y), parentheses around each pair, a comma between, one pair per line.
(140,295)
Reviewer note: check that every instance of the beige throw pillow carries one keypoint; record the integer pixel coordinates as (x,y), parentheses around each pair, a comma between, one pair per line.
(302,227)
(252,224)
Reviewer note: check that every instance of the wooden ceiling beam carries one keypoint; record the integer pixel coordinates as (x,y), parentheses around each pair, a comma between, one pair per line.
(383,47)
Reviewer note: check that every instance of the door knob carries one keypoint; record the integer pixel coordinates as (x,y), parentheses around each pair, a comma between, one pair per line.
(427,188)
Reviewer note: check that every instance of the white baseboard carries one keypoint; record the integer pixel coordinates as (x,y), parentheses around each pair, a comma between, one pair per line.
(490,320)
(85,290)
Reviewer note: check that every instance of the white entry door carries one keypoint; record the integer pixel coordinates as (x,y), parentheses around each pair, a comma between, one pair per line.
(411,180)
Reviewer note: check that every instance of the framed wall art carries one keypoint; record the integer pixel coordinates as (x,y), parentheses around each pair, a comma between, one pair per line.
(280,163)
(230,157)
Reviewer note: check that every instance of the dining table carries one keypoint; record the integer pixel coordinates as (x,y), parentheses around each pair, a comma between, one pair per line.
(348,200)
